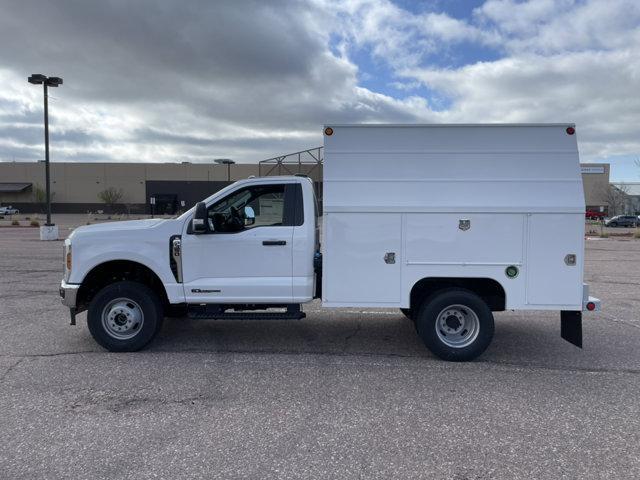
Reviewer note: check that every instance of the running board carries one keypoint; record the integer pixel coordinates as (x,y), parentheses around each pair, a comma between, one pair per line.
(216,313)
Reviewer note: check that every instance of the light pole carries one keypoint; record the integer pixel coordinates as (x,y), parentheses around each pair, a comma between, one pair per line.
(39,79)
(228,162)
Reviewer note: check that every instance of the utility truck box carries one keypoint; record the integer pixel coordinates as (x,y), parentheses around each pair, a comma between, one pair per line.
(405,203)
(447,223)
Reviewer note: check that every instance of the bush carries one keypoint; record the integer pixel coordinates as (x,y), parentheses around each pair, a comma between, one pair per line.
(111,197)
(15,223)
(35,223)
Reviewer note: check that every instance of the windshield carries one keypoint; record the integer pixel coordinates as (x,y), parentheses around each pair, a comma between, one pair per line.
(189,212)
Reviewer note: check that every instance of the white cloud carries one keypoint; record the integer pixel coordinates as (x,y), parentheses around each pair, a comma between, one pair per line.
(168,82)
(163,81)
(552,26)
(598,91)
(395,35)
(562,61)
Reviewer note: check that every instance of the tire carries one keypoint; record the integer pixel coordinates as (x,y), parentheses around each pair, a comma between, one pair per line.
(455,324)
(124,316)
(613,224)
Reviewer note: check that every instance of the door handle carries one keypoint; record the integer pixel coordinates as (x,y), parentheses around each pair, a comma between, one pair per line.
(274,243)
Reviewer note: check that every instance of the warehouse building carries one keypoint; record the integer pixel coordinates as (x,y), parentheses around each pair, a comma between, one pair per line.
(160,188)
(167,188)
(595,180)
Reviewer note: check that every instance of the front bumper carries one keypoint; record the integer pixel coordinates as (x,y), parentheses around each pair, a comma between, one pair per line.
(69,294)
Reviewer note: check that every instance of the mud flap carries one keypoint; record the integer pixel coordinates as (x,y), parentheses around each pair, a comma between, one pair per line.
(571,327)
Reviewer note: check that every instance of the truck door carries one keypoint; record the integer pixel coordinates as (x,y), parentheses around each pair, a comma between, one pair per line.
(240,259)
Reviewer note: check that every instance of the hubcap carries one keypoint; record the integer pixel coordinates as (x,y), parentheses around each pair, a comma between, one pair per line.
(122,318)
(457,326)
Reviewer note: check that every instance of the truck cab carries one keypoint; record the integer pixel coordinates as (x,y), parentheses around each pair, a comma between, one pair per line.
(255,243)
(238,254)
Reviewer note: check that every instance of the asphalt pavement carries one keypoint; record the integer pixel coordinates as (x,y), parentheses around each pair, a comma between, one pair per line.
(347,393)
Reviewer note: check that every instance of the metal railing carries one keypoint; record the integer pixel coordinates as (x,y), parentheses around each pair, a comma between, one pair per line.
(304,162)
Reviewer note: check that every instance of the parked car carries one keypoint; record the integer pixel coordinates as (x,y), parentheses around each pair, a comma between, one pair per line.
(9,210)
(593,215)
(623,221)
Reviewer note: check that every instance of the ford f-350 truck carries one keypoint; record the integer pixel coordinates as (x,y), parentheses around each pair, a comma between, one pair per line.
(447,223)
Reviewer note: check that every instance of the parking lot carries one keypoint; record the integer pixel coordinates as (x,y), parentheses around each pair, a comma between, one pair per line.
(340,394)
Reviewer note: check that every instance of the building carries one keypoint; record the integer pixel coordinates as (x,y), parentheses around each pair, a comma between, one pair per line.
(161,188)
(595,180)
(630,197)
(171,187)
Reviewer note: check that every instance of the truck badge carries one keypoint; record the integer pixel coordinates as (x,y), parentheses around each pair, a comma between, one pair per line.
(464,224)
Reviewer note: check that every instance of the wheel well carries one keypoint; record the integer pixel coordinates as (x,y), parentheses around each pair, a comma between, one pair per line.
(114,271)
(486,288)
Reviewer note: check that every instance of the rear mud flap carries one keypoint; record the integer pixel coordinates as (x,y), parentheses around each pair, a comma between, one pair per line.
(571,327)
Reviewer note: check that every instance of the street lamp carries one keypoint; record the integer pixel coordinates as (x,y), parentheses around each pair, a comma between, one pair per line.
(228,162)
(39,79)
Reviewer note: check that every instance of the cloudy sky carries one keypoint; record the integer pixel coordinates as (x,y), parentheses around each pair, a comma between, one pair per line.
(162,80)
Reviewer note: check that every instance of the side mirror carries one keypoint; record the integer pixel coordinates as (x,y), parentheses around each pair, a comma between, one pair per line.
(199,221)
(249,216)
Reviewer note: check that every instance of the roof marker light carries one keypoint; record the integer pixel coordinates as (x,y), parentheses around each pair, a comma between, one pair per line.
(571,130)
(328,131)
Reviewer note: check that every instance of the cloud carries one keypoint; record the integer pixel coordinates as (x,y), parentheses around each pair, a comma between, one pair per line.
(556,61)
(221,72)
(159,80)
(397,36)
(554,26)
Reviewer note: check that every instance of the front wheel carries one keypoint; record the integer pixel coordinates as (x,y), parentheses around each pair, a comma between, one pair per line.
(124,316)
(455,324)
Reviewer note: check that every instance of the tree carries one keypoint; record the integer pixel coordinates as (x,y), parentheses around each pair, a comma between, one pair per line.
(111,197)
(40,197)
(616,197)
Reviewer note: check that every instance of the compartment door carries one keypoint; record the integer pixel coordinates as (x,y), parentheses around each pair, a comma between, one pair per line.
(550,281)
(355,271)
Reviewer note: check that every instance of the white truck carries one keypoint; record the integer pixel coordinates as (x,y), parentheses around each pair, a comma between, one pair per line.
(447,223)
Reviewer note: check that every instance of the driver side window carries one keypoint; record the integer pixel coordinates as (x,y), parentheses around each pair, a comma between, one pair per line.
(255,206)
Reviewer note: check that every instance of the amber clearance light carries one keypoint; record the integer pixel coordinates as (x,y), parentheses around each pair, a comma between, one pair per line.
(328,131)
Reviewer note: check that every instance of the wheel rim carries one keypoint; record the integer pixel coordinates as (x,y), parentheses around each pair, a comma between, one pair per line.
(457,326)
(122,318)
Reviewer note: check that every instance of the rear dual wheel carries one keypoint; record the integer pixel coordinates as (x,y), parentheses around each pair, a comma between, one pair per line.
(455,324)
